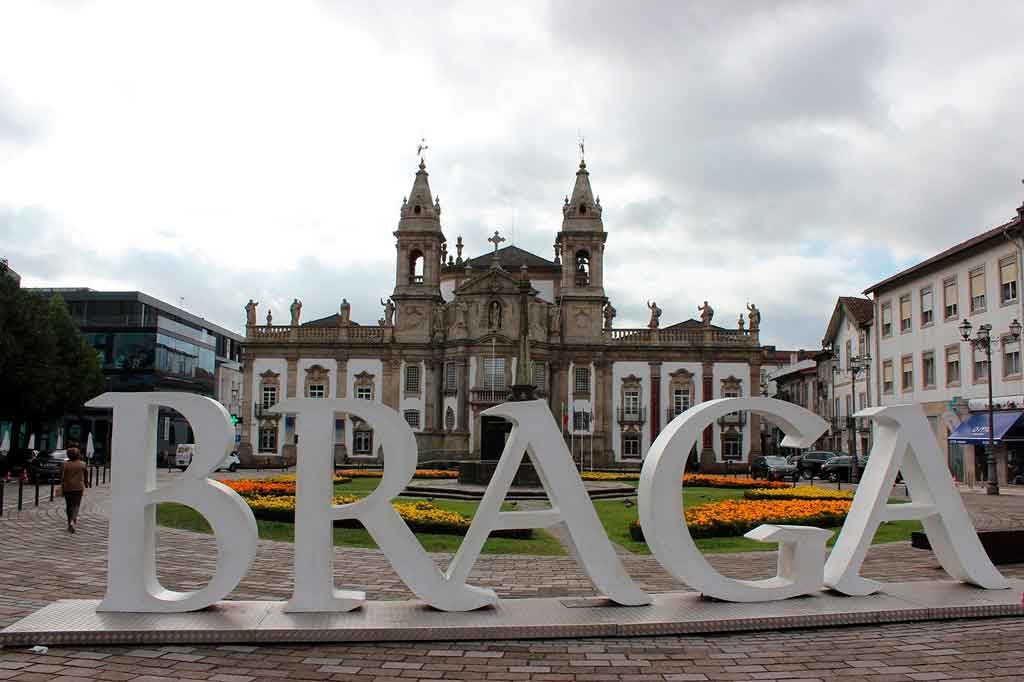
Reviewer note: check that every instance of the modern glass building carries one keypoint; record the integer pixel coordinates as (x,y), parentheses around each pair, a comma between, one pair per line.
(145,344)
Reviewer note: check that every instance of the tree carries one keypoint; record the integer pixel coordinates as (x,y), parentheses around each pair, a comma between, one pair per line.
(46,367)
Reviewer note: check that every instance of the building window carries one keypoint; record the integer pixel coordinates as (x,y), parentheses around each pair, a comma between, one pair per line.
(449,419)
(339,431)
(631,445)
(980,367)
(364,393)
(905,320)
(887,386)
(731,447)
(540,375)
(682,400)
(269,396)
(412,379)
(887,319)
(849,353)
(928,369)
(451,377)
(907,373)
(494,374)
(581,380)
(862,342)
(927,311)
(1008,280)
(412,418)
(631,403)
(362,443)
(268,439)
(1011,357)
(953,366)
(580,421)
(977,284)
(317,391)
(950,294)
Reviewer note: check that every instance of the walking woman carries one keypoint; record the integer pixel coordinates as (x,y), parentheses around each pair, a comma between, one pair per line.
(72,486)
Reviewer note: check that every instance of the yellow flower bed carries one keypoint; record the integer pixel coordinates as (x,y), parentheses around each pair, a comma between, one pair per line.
(804,492)
(378,473)
(290,478)
(736,517)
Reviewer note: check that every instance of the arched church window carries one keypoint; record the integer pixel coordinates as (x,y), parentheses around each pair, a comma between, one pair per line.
(416,209)
(416,262)
(583,209)
(582,268)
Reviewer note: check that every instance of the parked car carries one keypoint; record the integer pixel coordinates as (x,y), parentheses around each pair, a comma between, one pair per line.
(838,468)
(185,452)
(17,461)
(773,469)
(810,462)
(47,466)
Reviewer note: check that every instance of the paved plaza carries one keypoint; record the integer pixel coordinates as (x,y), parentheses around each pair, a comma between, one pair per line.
(43,563)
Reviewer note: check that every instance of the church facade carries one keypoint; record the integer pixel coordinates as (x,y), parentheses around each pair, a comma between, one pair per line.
(448,344)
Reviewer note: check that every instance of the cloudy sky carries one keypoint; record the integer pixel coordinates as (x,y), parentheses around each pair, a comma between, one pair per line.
(780,152)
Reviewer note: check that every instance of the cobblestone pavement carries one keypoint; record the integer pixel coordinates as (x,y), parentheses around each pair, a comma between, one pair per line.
(41,563)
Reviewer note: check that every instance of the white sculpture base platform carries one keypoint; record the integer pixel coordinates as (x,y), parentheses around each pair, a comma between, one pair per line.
(76,622)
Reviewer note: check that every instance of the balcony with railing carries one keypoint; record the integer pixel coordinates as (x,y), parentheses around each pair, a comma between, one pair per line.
(733,419)
(632,415)
(489,396)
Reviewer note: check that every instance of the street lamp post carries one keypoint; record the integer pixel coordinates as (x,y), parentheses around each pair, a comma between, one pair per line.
(983,340)
(859,364)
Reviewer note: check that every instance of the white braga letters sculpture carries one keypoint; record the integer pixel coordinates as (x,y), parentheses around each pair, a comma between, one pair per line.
(132,583)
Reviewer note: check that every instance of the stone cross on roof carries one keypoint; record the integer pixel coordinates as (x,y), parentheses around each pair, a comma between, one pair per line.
(496,239)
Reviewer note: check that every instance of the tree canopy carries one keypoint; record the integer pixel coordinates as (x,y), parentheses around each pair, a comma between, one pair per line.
(46,366)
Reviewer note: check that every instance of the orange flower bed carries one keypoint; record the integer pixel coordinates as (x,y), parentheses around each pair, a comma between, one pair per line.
(258,488)
(736,517)
(713,481)
(378,473)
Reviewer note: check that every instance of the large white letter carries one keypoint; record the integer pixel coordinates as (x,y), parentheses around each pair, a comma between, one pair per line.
(802,548)
(934,501)
(132,583)
(534,431)
(315,511)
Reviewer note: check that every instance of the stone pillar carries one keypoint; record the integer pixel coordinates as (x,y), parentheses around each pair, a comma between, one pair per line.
(429,399)
(561,407)
(604,410)
(707,451)
(463,416)
(755,419)
(655,400)
(292,376)
(390,383)
(248,414)
(342,377)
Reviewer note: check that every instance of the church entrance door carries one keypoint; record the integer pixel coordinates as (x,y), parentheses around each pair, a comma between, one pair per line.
(493,433)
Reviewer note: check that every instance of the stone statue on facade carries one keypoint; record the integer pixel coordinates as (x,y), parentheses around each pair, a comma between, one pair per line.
(389,312)
(494,315)
(345,312)
(739,322)
(755,317)
(439,327)
(250,313)
(655,314)
(556,320)
(707,313)
(270,318)
(609,314)
(296,310)
(461,310)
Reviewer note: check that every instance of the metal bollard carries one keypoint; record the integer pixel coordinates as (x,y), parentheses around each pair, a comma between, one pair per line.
(3,489)
(104,481)
(51,490)
(37,491)
(21,491)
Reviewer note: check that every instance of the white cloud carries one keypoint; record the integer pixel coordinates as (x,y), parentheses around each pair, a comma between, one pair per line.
(784,153)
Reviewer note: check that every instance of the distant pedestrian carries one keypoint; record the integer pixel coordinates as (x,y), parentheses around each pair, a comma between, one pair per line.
(72,486)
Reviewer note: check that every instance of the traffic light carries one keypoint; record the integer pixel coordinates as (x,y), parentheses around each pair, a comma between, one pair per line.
(235,419)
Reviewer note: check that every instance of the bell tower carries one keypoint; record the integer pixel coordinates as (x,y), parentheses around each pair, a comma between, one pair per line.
(581,243)
(419,245)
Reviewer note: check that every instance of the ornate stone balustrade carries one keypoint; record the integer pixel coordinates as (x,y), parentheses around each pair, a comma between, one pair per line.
(698,336)
(489,395)
(288,334)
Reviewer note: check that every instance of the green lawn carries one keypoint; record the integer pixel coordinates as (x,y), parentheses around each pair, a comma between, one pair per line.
(616,518)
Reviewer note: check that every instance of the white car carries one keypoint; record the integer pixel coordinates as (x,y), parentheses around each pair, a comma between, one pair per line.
(183,457)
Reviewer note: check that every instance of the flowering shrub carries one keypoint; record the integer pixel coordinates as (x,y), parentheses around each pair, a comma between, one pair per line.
(736,517)
(804,492)
(702,480)
(290,478)
(264,488)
